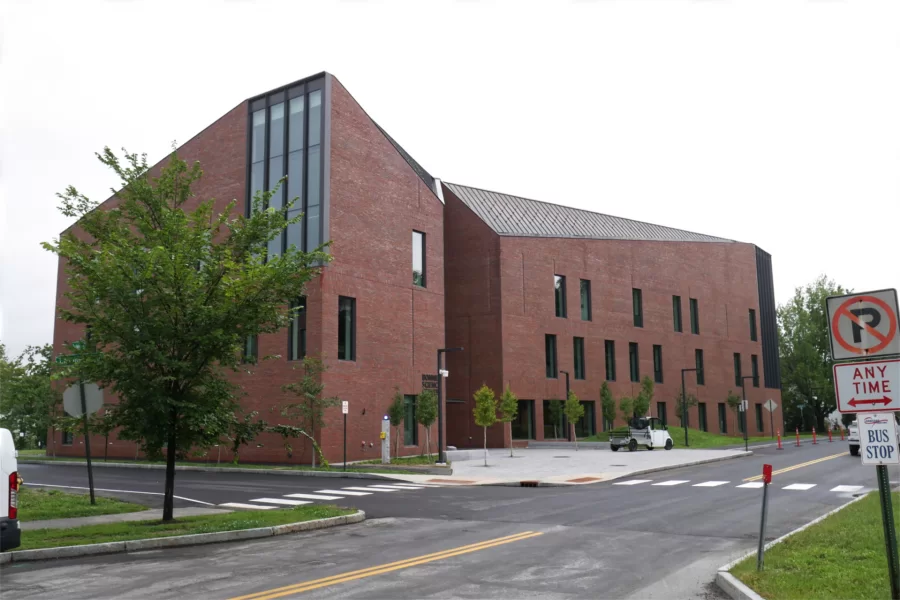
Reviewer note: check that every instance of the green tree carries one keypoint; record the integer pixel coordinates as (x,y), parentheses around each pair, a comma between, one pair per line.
(681,406)
(243,430)
(805,354)
(485,412)
(734,403)
(626,406)
(27,398)
(555,413)
(509,410)
(396,413)
(309,409)
(574,410)
(607,405)
(104,424)
(172,288)
(644,398)
(426,414)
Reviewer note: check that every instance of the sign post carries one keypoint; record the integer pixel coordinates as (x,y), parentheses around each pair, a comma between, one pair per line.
(385,440)
(771,405)
(760,552)
(81,400)
(345,408)
(878,440)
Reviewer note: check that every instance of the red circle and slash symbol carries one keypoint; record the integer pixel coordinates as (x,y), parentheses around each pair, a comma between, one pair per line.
(883,339)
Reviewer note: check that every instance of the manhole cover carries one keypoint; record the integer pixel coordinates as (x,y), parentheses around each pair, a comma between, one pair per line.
(560,457)
(618,465)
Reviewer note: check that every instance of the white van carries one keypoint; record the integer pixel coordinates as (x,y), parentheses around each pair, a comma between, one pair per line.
(10,535)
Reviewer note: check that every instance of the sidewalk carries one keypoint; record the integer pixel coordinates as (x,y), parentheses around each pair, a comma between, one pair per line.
(144,515)
(560,467)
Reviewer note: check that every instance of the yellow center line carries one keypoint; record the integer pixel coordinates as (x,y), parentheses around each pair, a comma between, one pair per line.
(791,468)
(386,568)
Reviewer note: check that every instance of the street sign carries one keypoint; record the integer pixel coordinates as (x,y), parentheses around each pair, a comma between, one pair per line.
(345,407)
(79,345)
(872,386)
(863,325)
(770,405)
(429,382)
(93,399)
(878,439)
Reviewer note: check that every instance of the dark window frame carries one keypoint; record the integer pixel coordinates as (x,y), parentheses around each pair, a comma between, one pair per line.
(584,287)
(695,315)
(698,364)
(662,414)
(352,349)
(760,423)
(551,364)
(754,369)
(423,279)
(634,362)
(702,423)
(657,363)
(580,370)
(676,314)
(637,306)
(559,296)
(68,438)
(297,327)
(752,318)
(251,349)
(722,415)
(409,406)
(738,371)
(609,348)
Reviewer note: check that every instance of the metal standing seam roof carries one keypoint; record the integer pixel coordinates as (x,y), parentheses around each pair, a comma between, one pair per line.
(515,216)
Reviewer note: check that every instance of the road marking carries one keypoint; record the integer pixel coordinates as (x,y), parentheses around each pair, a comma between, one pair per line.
(710,484)
(344,492)
(281,501)
(386,568)
(78,487)
(388,487)
(752,485)
(368,489)
(248,506)
(314,497)
(846,488)
(799,486)
(791,468)
(632,482)
(673,482)
(407,486)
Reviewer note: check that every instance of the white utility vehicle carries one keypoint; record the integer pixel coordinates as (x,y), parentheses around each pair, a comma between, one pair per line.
(643,431)
(853,437)
(10,535)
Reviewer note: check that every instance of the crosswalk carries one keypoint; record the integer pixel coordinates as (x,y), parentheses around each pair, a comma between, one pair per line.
(803,487)
(300,498)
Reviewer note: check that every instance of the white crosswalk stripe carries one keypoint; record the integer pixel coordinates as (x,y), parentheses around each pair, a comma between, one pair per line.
(284,501)
(406,486)
(389,487)
(632,482)
(847,488)
(753,485)
(799,486)
(368,489)
(344,492)
(673,482)
(314,497)
(247,506)
(710,484)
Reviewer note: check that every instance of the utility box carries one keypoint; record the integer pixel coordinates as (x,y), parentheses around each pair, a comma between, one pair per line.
(385,441)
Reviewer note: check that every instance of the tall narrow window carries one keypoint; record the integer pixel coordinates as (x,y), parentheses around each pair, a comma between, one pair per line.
(418,258)
(737,369)
(698,364)
(410,427)
(314,172)
(657,364)
(638,307)
(297,330)
(251,349)
(559,291)
(759,418)
(754,369)
(296,126)
(633,362)
(661,413)
(578,344)
(676,313)
(752,325)
(723,418)
(610,347)
(701,416)
(257,154)
(550,350)
(346,328)
(585,300)
(276,167)
(695,316)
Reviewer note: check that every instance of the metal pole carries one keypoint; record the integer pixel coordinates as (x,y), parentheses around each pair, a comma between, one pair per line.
(568,429)
(772,422)
(87,441)
(345,441)
(890,535)
(684,409)
(744,408)
(762,528)
(440,411)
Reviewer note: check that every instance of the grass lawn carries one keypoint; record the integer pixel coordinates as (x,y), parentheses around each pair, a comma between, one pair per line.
(597,437)
(39,504)
(429,459)
(705,439)
(842,557)
(136,530)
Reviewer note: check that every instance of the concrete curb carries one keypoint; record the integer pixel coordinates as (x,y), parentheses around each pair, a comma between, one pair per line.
(297,472)
(735,588)
(178,540)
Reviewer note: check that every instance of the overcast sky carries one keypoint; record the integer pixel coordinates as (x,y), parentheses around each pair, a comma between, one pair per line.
(776,123)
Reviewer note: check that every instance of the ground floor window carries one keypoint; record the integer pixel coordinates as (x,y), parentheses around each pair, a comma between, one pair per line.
(661,412)
(523,425)
(701,416)
(723,418)
(410,427)
(759,419)
(553,420)
(585,425)
(67,438)
(742,420)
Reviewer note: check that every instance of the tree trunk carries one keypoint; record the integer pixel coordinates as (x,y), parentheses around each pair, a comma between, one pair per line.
(575,437)
(510,440)
(397,442)
(169,499)
(485,446)
(106,448)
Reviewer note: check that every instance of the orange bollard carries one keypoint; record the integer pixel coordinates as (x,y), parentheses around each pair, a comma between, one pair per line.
(842,434)
(814,436)
(829,437)
(779,441)
(798,436)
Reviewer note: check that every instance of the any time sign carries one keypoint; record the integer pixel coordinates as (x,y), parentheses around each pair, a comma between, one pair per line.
(867,386)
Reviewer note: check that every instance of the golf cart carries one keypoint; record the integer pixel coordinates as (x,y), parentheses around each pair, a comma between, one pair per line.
(641,431)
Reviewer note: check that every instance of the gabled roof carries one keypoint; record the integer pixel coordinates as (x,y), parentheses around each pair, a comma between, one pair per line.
(520,217)
(419,169)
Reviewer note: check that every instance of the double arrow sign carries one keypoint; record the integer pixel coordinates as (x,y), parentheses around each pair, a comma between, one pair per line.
(884,401)
(872,386)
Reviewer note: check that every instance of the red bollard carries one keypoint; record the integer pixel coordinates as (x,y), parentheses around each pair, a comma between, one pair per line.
(814,436)
(829,437)
(779,441)
(798,436)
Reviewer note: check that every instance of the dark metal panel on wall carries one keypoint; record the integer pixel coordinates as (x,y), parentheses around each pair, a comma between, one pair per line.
(768,323)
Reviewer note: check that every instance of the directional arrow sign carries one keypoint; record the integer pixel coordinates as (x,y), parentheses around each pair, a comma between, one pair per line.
(872,386)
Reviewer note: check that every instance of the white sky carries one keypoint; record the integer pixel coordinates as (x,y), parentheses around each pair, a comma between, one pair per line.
(772,122)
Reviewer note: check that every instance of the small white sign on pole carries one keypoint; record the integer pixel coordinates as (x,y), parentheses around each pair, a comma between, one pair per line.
(345,407)
(878,439)
(770,405)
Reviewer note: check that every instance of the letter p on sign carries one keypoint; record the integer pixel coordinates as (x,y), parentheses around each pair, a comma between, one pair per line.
(767,474)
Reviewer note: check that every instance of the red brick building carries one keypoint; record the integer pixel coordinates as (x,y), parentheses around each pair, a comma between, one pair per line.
(378,314)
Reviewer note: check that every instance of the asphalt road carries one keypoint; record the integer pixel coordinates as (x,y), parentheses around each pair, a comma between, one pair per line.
(606,540)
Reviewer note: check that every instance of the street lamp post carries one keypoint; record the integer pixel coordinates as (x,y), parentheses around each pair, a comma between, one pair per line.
(684,413)
(568,429)
(440,385)
(745,406)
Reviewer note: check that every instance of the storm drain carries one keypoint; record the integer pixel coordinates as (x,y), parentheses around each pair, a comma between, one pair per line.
(528,483)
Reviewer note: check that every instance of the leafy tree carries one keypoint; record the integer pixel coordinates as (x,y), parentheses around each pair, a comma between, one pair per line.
(804,348)
(27,397)
(485,412)
(396,413)
(289,432)
(734,403)
(607,405)
(243,430)
(681,406)
(426,414)
(509,410)
(574,410)
(626,405)
(309,409)
(104,424)
(644,398)
(171,294)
